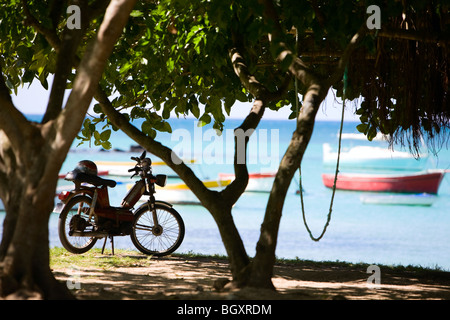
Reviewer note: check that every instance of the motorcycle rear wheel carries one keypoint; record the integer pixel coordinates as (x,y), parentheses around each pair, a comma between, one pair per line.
(78,206)
(159,240)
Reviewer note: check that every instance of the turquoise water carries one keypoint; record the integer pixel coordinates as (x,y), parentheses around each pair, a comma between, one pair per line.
(358,232)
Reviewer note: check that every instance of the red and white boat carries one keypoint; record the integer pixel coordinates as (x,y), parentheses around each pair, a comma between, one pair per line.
(257,182)
(421,182)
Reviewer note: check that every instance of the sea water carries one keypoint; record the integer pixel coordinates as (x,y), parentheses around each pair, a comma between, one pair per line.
(388,234)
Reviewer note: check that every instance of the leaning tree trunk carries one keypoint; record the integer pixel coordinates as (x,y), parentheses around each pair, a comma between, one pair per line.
(316,91)
(28,191)
(262,264)
(232,241)
(26,272)
(31,156)
(218,204)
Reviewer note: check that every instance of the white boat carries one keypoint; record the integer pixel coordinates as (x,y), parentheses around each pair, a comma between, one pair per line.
(257,182)
(423,199)
(179,193)
(367,157)
(120,168)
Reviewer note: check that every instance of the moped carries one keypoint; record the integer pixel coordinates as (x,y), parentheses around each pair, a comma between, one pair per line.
(86,215)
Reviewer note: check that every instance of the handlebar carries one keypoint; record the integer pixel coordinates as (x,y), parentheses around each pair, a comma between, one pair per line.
(143,164)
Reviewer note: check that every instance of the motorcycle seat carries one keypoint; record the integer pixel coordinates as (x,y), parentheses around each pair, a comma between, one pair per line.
(91,179)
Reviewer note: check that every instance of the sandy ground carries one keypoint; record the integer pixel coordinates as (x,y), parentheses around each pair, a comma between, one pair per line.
(196,278)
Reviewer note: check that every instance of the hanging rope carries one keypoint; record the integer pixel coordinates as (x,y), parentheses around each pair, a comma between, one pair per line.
(337,167)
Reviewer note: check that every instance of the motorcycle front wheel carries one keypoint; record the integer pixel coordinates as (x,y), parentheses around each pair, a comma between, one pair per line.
(74,216)
(161,239)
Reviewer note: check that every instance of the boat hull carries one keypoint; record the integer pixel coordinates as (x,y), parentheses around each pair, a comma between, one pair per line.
(257,182)
(415,183)
(423,199)
(179,193)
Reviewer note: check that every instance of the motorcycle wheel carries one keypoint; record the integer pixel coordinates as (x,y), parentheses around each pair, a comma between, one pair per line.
(158,240)
(76,209)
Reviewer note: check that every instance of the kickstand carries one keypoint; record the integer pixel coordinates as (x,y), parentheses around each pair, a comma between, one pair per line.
(112,244)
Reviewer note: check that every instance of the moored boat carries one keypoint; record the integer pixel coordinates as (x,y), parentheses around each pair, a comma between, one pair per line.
(375,158)
(179,193)
(423,199)
(120,168)
(257,182)
(421,182)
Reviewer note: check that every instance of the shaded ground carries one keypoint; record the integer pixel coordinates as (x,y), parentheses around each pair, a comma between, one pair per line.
(179,277)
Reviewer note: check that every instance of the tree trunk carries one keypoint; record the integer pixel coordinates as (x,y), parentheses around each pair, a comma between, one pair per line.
(31,156)
(317,89)
(232,241)
(262,264)
(25,268)
(219,204)
(28,194)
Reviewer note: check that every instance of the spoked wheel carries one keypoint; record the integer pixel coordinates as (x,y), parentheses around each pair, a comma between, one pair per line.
(161,239)
(74,218)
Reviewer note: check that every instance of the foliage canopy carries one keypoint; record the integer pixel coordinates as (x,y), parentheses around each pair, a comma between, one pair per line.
(173,58)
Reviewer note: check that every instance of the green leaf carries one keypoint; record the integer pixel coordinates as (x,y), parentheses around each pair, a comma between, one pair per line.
(362,127)
(241,96)
(136,13)
(105,135)
(97,108)
(106,145)
(166,112)
(195,109)
(167,127)
(204,120)
(372,133)
(215,103)
(147,128)
(97,136)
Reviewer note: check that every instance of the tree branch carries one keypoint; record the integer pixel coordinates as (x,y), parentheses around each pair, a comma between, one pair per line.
(164,153)
(91,69)
(67,56)
(50,34)
(235,189)
(12,121)
(247,79)
(242,134)
(66,48)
